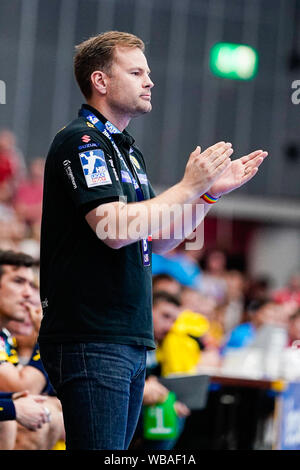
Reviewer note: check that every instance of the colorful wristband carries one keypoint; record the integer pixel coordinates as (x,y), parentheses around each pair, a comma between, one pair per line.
(209,199)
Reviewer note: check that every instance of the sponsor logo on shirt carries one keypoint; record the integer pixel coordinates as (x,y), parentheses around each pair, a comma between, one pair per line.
(87,146)
(143,178)
(89,124)
(125,177)
(85,138)
(69,172)
(94,168)
(113,168)
(135,162)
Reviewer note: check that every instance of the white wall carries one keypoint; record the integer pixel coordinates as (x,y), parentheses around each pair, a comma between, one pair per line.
(275,251)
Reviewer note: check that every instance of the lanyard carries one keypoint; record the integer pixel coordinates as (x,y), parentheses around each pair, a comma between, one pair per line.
(108,129)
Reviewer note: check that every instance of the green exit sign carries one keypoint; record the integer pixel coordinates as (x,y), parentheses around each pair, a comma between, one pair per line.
(233,61)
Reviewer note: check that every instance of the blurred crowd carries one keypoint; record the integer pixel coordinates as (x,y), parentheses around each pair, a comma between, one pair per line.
(206,317)
(21,193)
(222,310)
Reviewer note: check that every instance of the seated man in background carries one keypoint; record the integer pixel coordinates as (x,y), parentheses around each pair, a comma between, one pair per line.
(192,341)
(18,309)
(166,283)
(166,308)
(16,290)
(260,312)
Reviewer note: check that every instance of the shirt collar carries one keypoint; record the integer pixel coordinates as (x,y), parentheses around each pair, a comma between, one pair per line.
(124,138)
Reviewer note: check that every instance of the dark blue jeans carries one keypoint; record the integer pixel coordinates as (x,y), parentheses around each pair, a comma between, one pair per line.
(100,386)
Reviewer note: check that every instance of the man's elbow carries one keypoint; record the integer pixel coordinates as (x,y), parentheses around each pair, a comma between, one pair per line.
(112,243)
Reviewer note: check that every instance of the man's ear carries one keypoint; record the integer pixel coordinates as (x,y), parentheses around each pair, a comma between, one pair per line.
(99,81)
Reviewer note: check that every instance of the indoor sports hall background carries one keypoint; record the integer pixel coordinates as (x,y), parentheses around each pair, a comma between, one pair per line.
(191,105)
(223,70)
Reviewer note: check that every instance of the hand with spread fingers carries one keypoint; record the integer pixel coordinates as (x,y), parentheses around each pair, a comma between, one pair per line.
(205,168)
(239,172)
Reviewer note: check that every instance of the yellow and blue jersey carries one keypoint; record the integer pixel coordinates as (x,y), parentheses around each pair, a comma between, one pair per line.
(8,345)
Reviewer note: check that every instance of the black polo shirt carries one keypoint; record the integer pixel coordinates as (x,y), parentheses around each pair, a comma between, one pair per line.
(91,292)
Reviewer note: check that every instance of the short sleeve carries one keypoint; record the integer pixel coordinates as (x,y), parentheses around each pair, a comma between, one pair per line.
(86,171)
(151,191)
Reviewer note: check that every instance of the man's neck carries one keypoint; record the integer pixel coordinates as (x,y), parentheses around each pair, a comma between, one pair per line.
(119,120)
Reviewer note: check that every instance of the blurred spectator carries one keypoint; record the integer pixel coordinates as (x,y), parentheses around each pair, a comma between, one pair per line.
(19,302)
(25,336)
(214,272)
(12,232)
(180,264)
(261,313)
(258,288)
(17,236)
(11,159)
(166,283)
(16,289)
(166,308)
(12,166)
(29,196)
(291,292)
(181,348)
(31,243)
(190,342)
(233,308)
(25,333)
(195,301)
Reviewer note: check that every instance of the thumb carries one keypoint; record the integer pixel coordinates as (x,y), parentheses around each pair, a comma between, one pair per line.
(22,394)
(197,151)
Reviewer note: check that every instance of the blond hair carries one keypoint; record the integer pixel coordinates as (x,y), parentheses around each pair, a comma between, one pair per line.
(96,53)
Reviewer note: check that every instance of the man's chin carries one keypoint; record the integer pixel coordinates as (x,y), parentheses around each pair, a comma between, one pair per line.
(18,328)
(143,109)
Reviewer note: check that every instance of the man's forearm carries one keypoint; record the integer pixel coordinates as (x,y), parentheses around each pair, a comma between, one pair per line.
(182,227)
(121,224)
(13,379)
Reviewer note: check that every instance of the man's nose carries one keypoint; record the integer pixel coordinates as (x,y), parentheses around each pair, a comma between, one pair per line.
(27,291)
(149,83)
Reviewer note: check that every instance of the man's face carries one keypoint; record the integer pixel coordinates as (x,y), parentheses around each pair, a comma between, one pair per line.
(16,290)
(128,84)
(164,315)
